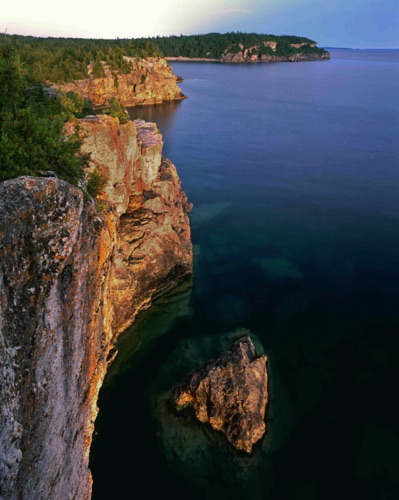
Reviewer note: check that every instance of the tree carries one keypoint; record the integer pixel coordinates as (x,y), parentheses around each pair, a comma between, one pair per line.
(98,69)
(32,126)
(11,77)
(117,110)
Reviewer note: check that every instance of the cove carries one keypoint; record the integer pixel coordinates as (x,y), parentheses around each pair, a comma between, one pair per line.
(293,173)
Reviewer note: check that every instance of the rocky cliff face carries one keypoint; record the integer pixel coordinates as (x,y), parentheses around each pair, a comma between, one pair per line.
(151,81)
(264,52)
(71,279)
(256,54)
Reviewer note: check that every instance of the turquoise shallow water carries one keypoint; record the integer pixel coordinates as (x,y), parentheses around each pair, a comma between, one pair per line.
(293,170)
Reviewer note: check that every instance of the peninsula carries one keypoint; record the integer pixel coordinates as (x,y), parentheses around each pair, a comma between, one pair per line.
(238,48)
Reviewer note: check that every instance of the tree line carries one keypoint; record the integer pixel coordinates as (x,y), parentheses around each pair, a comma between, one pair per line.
(62,60)
(213,45)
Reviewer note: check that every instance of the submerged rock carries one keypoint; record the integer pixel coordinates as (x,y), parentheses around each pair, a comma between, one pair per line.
(229,393)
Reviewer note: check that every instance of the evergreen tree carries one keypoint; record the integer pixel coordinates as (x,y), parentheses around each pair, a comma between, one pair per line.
(31,126)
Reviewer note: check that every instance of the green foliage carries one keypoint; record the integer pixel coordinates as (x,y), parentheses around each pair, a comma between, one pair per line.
(142,78)
(213,45)
(116,79)
(95,183)
(32,124)
(61,60)
(98,69)
(11,78)
(74,106)
(117,110)
(266,50)
(235,49)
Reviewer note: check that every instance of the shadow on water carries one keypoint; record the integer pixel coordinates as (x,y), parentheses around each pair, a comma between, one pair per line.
(162,114)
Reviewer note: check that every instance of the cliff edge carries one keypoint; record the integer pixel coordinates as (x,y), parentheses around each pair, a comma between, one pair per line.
(150,81)
(73,275)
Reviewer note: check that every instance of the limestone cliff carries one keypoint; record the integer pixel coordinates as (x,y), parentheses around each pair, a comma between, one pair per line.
(151,81)
(72,276)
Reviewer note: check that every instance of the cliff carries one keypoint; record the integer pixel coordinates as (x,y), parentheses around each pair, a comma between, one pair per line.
(270,51)
(238,47)
(73,275)
(151,81)
(266,51)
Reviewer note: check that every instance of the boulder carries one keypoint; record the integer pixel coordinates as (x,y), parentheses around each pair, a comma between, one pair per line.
(229,393)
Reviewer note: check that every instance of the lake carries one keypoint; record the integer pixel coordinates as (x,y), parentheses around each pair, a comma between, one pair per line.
(293,171)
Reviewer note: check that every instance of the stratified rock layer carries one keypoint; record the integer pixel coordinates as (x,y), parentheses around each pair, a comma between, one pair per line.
(151,81)
(71,279)
(230,393)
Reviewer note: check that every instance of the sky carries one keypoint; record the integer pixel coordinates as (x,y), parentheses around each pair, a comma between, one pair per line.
(332,23)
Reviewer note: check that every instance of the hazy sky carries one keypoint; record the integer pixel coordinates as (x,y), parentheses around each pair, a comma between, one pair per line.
(338,23)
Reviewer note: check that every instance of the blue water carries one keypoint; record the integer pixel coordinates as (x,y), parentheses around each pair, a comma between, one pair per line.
(293,170)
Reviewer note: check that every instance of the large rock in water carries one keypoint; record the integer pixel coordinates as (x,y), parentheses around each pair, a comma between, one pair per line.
(230,393)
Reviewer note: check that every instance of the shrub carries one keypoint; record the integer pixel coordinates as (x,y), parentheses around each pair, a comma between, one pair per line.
(117,110)
(95,183)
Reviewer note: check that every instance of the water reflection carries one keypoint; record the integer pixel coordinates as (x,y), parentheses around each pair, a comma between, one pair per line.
(162,114)
(137,341)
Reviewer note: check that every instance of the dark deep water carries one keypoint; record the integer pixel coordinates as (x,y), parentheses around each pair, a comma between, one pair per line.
(293,170)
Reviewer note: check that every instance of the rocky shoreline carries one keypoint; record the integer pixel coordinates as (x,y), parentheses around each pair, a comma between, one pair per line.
(239,58)
(74,273)
(151,81)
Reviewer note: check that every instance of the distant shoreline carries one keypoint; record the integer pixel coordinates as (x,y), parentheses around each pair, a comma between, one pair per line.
(351,48)
(191,59)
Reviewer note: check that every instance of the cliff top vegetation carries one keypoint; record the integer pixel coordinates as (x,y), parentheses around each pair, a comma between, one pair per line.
(32,122)
(62,60)
(214,45)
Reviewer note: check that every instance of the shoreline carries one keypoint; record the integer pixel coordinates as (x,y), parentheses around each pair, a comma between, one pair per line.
(191,59)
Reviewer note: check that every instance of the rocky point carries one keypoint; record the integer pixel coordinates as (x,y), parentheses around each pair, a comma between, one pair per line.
(151,81)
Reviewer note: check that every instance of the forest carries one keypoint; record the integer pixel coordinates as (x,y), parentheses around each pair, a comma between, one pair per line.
(213,45)
(62,60)
(32,121)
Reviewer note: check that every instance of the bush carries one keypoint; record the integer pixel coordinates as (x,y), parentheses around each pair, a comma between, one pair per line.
(98,69)
(32,126)
(95,183)
(117,110)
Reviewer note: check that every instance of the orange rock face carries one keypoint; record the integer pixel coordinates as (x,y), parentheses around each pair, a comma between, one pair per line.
(73,275)
(143,191)
(151,81)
